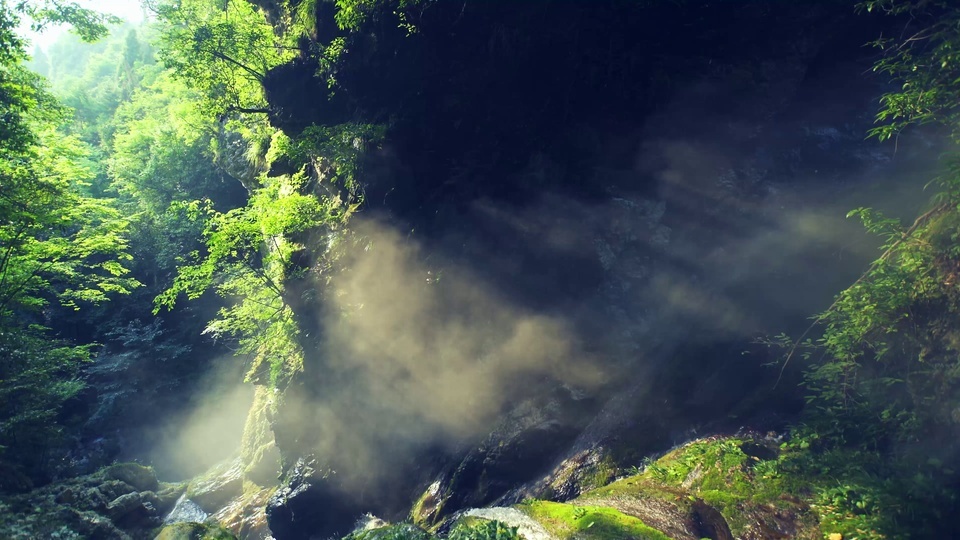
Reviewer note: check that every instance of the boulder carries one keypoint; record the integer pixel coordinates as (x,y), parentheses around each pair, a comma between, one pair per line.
(310,505)
(527,439)
(133,511)
(123,506)
(112,489)
(136,475)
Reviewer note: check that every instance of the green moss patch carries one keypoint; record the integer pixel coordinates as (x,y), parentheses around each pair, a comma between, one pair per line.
(568,521)
(794,488)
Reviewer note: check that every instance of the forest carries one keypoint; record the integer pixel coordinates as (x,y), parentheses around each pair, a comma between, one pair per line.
(480,270)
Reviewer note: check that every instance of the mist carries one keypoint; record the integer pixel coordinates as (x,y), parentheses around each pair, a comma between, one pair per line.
(427,342)
(718,225)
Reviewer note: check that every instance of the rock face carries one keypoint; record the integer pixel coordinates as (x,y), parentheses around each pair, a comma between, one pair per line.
(216,487)
(526,439)
(716,488)
(668,232)
(310,505)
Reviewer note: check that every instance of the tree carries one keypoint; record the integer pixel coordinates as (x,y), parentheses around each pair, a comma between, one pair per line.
(222,50)
(58,246)
(926,62)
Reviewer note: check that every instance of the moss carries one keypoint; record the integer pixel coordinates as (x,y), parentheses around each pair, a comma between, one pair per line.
(140,477)
(401,531)
(194,531)
(600,474)
(821,491)
(483,529)
(257,448)
(568,521)
(428,507)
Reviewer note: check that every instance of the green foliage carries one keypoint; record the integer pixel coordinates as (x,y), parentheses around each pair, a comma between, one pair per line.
(59,246)
(464,530)
(829,489)
(37,376)
(484,530)
(401,531)
(249,257)
(335,150)
(89,24)
(221,50)
(880,365)
(926,63)
(162,149)
(353,14)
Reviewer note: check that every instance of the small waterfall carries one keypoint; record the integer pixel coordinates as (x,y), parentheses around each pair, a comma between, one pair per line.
(185,511)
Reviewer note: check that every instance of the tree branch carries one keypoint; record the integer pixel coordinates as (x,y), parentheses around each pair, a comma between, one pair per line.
(256,74)
(886,255)
(248,110)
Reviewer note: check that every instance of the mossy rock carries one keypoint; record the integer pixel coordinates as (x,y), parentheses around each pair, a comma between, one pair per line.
(258,450)
(568,521)
(744,487)
(429,507)
(139,477)
(194,531)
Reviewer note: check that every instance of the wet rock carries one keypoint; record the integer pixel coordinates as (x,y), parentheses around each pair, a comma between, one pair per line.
(216,487)
(574,475)
(151,500)
(369,522)
(136,475)
(515,452)
(246,515)
(310,505)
